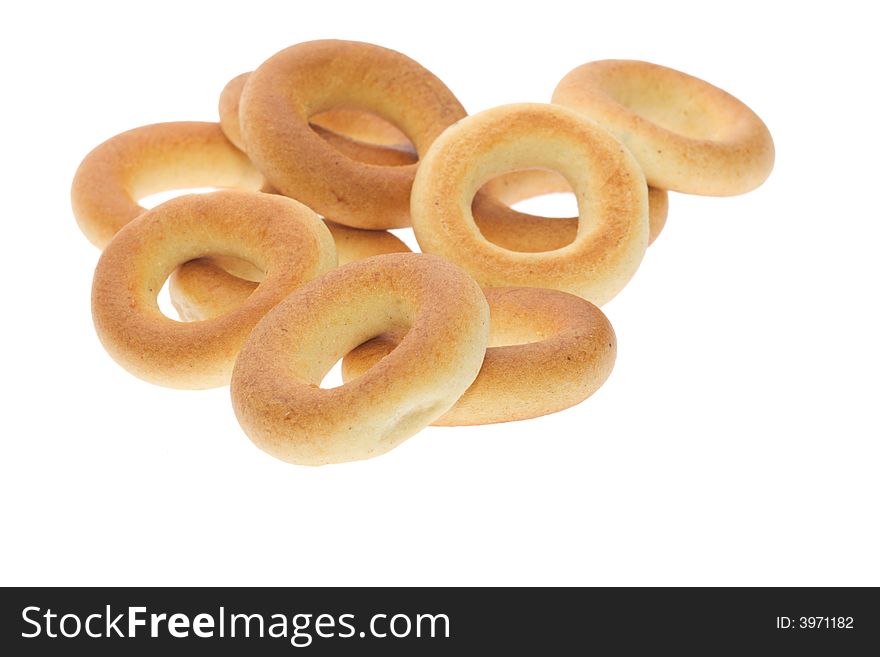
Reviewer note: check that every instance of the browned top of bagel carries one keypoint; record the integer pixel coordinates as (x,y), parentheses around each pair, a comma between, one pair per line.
(609,186)
(293,85)
(687,134)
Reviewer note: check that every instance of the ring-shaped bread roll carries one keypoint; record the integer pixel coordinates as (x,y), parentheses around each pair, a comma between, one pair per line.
(293,85)
(208,287)
(360,135)
(275,384)
(153,158)
(548,350)
(610,188)
(279,235)
(518,231)
(688,135)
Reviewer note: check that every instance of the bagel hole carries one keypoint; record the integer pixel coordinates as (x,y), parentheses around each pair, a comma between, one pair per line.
(197,296)
(163,299)
(367,128)
(166,306)
(541,194)
(152,200)
(558,205)
(516,336)
(333,378)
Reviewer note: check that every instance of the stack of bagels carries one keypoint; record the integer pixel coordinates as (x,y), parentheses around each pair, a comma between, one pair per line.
(290,267)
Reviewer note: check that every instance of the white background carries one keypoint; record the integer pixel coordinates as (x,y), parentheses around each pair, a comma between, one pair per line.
(735,443)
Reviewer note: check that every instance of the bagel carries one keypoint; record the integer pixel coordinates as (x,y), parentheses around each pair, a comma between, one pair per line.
(358,134)
(548,350)
(688,135)
(283,93)
(518,231)
(153,158)
(275,384)
(277,234)
(607,181)
(208,287)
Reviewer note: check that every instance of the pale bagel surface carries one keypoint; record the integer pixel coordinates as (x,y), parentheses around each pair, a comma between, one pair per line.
(688,135)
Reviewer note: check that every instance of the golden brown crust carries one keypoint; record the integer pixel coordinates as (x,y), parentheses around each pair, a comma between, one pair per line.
(275,385)
(519,231)
(163,156)
(608,183)
(688,135)
(208,287)
(295,84)
(548,350)
(277,234)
